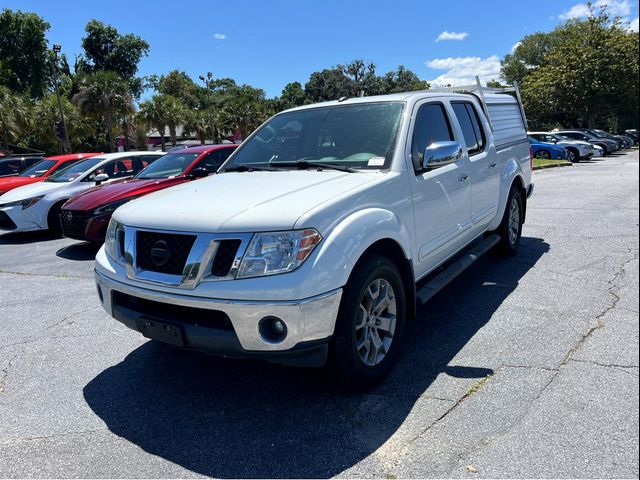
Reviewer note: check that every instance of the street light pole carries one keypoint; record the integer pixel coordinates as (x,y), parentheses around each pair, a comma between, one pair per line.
(208,81)
(66,145)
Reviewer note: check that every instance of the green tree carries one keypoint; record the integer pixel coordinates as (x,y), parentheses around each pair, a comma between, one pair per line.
(13,116)
(106,49)
(292,96)
(583,72)
(106,97)
(329,84)
(178,84)
(162,111)
(23,52)
(402,80)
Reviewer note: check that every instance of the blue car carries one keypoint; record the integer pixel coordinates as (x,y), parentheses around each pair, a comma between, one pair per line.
(547,150)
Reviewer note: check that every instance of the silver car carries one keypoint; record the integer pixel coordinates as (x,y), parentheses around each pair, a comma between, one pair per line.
(576,149)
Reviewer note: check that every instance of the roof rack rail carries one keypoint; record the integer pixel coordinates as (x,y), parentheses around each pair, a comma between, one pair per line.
(478,90)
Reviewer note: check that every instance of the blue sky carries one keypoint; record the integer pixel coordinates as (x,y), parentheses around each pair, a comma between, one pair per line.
(268,43)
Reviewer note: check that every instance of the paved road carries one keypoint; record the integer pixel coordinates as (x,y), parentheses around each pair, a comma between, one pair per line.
(522,368)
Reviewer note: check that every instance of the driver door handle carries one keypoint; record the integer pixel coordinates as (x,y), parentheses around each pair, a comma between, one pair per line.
(463,177)
(493,164)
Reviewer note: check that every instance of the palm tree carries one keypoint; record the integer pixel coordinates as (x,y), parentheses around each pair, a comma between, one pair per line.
(106,97)
(13,115)
(162,111)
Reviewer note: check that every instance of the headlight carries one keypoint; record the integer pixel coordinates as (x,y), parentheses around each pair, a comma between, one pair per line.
(110,207)
(277,252)
(114,240)
(26,203)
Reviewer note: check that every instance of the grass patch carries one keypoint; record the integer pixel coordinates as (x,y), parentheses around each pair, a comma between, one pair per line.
(544,163)
(477,386)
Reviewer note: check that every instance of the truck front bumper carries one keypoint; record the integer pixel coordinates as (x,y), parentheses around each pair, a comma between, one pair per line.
(232,328)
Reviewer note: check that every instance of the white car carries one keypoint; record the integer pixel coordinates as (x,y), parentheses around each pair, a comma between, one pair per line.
(37,206)
(576,149)
(324,230)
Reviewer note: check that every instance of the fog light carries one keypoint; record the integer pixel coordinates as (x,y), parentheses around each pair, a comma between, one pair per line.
(272,329)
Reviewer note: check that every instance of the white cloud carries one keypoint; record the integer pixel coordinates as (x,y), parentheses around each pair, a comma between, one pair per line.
(462,70)
(619,8)
(219,36)
(452,36)
(633,25)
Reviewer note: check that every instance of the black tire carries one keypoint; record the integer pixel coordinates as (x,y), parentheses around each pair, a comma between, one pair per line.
(509,242)
(604,148)
(542,154)
(349,369)
(573,155)
(53,220)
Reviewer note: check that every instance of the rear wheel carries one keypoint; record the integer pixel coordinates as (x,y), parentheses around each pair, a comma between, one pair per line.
(510,230)
(370,324)
(543,154)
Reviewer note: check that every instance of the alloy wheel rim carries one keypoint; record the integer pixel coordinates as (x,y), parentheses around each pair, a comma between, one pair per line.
(514,221)
(376,323)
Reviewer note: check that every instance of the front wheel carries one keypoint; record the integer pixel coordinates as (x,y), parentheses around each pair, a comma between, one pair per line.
(543,154)
(370,324)
(510,229)
(572,156)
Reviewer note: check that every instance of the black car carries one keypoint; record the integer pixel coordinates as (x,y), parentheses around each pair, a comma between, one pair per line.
(14,165)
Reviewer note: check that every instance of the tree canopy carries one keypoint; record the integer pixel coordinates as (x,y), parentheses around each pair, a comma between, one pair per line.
(583,72)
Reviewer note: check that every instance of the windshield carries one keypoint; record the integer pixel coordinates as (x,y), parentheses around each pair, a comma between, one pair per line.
(170,165)
(69,174)
(359,136)
(39,169)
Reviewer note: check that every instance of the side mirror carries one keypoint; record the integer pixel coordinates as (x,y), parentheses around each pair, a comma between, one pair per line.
(102,177)
(439,154)
(199,172)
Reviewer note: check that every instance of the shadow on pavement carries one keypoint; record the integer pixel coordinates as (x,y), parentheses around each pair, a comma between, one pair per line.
(23,238)
(79,251)
(227,418)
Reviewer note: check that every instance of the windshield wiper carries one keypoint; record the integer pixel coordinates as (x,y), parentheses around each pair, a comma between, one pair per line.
(304,165)
(248,168)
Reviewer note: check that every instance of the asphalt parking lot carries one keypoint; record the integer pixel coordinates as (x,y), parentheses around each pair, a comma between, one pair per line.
(526,367)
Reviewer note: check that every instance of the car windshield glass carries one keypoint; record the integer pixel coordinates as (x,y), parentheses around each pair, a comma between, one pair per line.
(69,174)
(171,165)
(357,136)
(39,169)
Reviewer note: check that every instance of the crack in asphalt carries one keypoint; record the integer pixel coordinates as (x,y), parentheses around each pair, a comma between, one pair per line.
(49,437)
(32,274)
(4,373)
(623,368)
(67,317)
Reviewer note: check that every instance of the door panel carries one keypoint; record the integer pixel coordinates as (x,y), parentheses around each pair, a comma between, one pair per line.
(441,197)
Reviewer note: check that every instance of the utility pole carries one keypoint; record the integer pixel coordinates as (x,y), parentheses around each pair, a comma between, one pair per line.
(64,138)
(208,80)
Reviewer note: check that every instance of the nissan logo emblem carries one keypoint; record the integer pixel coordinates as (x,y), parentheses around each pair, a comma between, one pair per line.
(160,253)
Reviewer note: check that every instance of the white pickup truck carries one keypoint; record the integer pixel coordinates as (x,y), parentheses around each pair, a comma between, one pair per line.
(324,230)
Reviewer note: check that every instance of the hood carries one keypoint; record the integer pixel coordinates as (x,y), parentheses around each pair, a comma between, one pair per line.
(240,202)
(113,192)
(573,142)
(28,191)
(10,183)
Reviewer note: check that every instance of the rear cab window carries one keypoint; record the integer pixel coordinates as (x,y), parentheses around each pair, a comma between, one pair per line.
(472,131)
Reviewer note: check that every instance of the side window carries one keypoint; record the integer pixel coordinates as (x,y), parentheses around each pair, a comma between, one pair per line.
(64,165)
(141,162)
(11,167)
(109,168)
(467,116)
(213,160)
(431,125)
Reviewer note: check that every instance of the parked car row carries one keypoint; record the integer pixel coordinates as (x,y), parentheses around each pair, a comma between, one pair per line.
(577,144)
(75,195)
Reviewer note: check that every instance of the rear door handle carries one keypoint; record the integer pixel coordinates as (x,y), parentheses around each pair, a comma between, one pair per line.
(492,165)
(463,177)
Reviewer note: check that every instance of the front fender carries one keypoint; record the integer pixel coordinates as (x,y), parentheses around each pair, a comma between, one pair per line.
(357,232)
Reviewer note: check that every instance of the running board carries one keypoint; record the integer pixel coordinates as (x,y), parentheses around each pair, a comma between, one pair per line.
(442,279)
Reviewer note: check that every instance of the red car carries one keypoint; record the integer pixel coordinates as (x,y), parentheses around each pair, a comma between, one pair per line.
(41,170)
(86,216)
